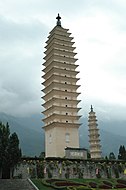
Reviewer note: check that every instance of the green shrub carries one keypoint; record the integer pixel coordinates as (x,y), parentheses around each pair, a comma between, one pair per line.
(116,172)
(71,188)
(98,175)
(83,188)
(67,175)
(33,172)
(40,170)
(49,174)
(45,183)
(19,176)
(79,188)
(80,175)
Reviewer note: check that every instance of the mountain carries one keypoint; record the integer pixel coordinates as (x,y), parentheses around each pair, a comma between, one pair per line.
(109,141)
(117,127)
(112,135)
(29,131)
(31,135)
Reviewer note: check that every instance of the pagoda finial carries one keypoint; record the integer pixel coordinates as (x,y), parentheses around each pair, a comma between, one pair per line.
(58,20)
(91,108)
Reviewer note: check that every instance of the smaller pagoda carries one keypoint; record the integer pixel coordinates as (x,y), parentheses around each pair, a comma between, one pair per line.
(94,137)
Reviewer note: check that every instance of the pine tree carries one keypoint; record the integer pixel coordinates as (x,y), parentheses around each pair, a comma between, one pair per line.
(112,156)
(122,153)
(4,139)
(10,153)
(14,152)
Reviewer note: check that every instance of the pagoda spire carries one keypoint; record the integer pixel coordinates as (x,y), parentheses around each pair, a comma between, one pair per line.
(91,108)
(58,20)
(94,136)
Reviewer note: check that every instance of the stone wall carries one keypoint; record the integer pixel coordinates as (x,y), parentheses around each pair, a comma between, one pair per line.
(70,169)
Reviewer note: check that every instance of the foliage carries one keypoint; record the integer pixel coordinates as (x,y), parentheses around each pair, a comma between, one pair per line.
(40,170)
(122,153)
(116,171)
(119,185)
(49,173)
(10,153)
(106,158)
(112,156)
(80,175)
(98,175)
(108,183)
(83,188)
(42,155)
(88,154)
(14,152)
(121,181)
(79,188)
(40,185)
(81,184)
(93,184)
(104,187)
(67,174)
(4,141)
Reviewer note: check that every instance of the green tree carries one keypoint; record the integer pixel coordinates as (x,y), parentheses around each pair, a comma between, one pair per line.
(4,139)
(42,155)
(14,152)
(112,156)
(106,157)
(122,153)
(10,153)
(88,154)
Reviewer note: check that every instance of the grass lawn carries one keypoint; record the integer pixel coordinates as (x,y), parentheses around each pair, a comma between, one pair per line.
(38,183)
(40,186)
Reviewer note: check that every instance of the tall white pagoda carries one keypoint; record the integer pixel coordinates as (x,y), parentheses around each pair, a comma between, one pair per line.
(94,137)
(61,119)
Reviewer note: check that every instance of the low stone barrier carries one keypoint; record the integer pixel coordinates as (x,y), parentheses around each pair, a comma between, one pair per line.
(64,168)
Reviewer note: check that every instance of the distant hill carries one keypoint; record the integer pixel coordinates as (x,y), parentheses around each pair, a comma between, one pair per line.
(31,134)
(112,135)
(109,141)
(29,131)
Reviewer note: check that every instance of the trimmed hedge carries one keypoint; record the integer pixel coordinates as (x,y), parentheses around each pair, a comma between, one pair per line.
(62,184)
(71,188)
(108,183)
(93,184)
(120,185)
(67,183)
(121,181)
(83,188)
(79,188)
(104,187)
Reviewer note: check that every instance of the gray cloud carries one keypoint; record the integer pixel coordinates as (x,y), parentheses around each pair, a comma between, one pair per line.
(20,66)
(24,27)
(12,32)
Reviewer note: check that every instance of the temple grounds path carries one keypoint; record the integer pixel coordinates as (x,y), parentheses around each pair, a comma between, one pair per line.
(15,184)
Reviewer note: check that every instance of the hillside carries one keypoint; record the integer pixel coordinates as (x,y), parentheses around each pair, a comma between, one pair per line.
(29,131)
(31,134)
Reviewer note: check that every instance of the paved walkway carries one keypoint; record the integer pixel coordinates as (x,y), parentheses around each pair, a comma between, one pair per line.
(15,184)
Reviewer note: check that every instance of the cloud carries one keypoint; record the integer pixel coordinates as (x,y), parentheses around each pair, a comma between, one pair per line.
(20,66)
(100,37)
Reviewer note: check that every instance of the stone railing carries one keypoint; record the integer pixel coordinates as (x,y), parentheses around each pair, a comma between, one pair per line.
(64,168)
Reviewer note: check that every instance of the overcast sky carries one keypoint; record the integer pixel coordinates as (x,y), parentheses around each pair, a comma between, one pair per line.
(99,31)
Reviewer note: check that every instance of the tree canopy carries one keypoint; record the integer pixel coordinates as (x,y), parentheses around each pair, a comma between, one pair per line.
(112,156)
(122,153)
(10,152)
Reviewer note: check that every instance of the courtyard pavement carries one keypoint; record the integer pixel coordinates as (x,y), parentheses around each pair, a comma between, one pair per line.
(15,184)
